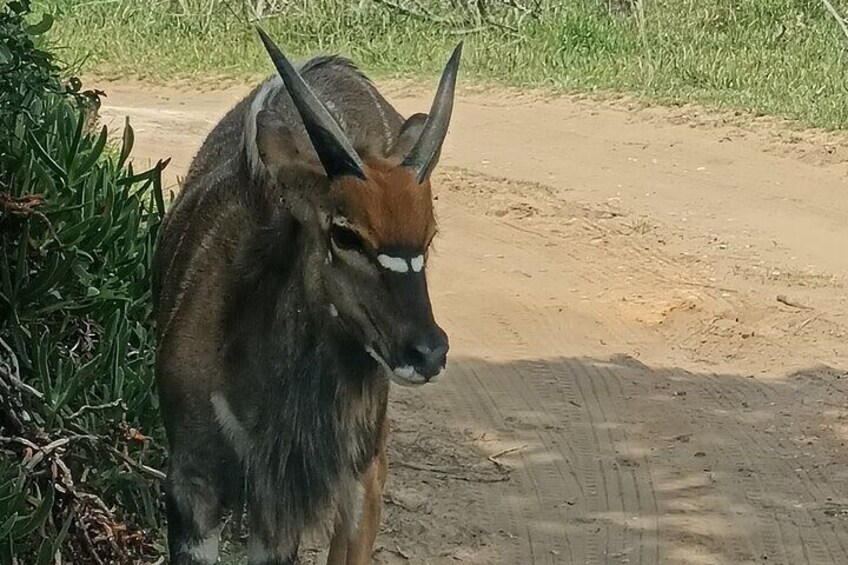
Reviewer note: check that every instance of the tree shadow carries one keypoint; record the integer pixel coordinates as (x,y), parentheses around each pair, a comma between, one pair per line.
(582,460)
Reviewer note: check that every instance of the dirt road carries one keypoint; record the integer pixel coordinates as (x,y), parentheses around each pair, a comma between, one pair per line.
(647,310)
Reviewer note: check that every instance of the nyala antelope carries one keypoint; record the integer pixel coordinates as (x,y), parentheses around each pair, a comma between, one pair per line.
(290,290)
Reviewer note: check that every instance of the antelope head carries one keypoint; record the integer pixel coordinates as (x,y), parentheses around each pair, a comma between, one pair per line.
(367,225)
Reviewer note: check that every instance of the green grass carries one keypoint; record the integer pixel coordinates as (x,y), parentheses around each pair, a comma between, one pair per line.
(779,57)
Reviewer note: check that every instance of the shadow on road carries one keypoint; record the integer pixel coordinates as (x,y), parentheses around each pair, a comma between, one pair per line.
(578,460)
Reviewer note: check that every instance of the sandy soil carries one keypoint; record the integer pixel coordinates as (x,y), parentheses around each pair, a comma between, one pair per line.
(648,318)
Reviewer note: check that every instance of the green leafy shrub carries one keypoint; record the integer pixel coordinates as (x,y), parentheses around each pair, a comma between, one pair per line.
(79,436)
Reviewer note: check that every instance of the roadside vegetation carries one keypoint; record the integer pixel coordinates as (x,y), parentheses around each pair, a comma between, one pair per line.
(779,57)
(79,440)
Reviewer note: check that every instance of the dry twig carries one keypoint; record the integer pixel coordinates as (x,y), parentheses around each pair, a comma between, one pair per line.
(422,15)
(783,299)
(88,407)
(839,19)
(494,458)
(26,206)
(453,473)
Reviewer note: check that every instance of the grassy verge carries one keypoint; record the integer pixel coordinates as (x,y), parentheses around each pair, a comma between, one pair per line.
(780,57)
(79,426)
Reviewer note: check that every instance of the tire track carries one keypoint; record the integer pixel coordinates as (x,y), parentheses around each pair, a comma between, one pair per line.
(790,520)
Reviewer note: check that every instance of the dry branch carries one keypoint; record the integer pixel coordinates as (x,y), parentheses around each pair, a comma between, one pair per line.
(423,15)
(494,458)
(469,18)
(458,473)
(839,19)
(783,299)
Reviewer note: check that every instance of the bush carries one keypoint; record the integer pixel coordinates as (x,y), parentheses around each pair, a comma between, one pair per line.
(78,415)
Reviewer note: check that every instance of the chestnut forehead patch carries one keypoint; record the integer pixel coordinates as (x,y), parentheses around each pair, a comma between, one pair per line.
(390,208)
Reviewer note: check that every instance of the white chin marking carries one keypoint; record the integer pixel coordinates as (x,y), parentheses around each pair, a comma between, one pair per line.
(404,376)
(334,311)
(405,372)
(395,264)
(417,263)
(407,376)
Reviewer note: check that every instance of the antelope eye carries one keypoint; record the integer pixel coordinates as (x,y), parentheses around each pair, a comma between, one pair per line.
(346,238)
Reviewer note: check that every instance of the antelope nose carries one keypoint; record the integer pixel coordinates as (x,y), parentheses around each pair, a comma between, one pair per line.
(428,356)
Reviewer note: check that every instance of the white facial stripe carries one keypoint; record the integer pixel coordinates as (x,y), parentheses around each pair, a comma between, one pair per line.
(417,263)
(388,262)
(394,264)
(342,222)
(349,254)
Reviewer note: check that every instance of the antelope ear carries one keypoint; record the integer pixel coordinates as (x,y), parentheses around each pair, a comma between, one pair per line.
(408,136)
(278,146)
(275,142)
(279,149)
